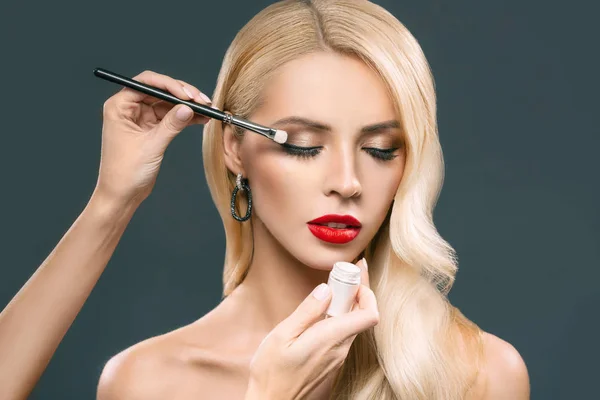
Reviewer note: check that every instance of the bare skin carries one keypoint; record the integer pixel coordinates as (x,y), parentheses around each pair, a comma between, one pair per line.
(210,359)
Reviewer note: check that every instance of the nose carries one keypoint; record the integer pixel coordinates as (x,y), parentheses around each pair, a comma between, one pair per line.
(342,175)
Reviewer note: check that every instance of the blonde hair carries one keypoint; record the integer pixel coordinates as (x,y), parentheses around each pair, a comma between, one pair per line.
(423,347)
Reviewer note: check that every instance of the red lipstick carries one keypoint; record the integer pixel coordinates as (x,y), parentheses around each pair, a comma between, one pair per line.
(333,228)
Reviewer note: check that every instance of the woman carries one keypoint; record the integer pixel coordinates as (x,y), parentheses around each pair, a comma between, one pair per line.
(353,90)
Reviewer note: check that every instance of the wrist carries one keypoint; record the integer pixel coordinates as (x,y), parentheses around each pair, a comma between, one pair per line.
(109,207)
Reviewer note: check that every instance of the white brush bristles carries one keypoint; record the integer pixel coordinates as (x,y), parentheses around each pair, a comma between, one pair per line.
(280,136)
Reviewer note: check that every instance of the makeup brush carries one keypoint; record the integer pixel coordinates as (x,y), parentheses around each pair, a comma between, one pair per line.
(278,136)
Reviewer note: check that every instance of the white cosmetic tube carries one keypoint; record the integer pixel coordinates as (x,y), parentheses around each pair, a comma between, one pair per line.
(344,281)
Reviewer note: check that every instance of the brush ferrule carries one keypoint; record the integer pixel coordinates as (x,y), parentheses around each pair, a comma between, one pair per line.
(263,130)
(228,117)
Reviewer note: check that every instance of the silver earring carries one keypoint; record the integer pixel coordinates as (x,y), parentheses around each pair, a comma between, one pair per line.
(241,184)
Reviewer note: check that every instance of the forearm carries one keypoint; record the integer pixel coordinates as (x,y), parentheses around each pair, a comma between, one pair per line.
(37,318)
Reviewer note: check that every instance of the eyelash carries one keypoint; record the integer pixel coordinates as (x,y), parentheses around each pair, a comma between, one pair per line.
(308,152)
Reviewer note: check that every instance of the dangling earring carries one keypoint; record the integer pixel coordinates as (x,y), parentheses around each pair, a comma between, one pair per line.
(243,185)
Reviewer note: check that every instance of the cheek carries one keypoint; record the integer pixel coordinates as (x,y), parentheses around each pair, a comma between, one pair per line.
(381,188)
(279,186)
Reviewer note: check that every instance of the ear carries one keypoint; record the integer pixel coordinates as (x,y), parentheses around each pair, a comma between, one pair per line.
(231,148)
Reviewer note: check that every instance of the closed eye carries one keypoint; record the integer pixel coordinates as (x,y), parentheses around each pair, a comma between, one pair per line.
(308,152)
(382,154)
(299,151)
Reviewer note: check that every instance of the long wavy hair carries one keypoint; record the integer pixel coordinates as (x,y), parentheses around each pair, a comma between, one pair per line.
(423,347)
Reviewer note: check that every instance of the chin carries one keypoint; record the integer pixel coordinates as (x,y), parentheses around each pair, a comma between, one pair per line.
(318,254)
(322,256)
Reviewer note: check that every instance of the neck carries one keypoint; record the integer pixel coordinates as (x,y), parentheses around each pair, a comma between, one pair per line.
(275,285)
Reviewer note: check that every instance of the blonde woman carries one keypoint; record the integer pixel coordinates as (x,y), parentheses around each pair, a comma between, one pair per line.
(357,181)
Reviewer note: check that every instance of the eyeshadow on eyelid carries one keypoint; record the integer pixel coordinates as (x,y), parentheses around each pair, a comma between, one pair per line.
(300,137)
(384,142)
(303,137)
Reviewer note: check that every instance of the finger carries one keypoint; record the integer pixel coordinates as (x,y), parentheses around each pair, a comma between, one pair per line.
(364,272)
(342,327)
(174,122)
(307,313)
(197,95)
(365,298)
(364,277)
(151,101)
(161,109)
(157,80)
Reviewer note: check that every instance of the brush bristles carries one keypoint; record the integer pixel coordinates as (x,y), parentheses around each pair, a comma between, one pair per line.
(280,136)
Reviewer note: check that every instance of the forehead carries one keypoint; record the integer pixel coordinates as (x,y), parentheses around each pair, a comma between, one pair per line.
(336,89)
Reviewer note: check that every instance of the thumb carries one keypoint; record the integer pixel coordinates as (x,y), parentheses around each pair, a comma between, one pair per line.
(175,120)
(309,312)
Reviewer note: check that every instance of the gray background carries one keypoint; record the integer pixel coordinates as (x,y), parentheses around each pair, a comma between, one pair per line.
(517,91)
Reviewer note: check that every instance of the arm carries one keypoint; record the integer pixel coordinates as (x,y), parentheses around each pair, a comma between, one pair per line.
(134,136)
(37,318)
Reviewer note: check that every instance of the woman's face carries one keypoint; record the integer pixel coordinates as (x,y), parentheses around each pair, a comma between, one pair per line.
(347,158)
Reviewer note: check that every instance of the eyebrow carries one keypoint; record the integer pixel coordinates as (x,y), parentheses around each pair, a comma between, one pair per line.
(321,127)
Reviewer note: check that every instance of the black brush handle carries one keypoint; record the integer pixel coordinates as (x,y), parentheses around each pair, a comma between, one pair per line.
(159,93)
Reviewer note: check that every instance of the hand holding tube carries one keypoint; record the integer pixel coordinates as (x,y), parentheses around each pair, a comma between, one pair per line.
(301,355)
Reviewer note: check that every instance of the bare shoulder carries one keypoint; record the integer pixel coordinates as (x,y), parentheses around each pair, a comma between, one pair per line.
(505,374)
(138,372)
(182,364)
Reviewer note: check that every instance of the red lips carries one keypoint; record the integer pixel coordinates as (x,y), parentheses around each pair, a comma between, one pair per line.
(333,234)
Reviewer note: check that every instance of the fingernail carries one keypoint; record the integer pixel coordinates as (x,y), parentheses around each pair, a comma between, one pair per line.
(321,291)
(364,260)
(204,97)
(188,92)
(184,113)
